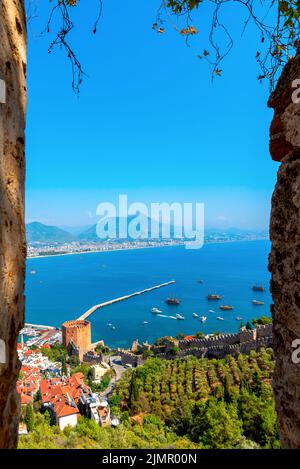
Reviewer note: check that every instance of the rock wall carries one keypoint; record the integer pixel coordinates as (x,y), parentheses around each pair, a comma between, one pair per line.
(12,229)
(129,358)
(284,262)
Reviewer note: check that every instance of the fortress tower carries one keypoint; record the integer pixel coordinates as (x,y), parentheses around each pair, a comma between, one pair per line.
(77,335)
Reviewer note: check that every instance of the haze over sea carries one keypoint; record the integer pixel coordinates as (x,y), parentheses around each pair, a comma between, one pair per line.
(66,286)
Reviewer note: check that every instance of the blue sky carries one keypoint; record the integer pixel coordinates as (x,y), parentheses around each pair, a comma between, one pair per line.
(148,121)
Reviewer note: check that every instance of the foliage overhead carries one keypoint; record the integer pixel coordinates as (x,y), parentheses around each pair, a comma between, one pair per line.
(276,21)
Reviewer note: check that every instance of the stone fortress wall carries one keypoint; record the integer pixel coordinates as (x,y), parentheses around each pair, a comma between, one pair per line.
(209,347)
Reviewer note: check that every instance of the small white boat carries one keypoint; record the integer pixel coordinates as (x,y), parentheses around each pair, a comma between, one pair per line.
(178,316)
(238,318)
(195,315)
(32,272)
(113,328)
(211,311)
(109,324)
(203,318)
(219,318)
(257,303)
(156,311)
(145,322)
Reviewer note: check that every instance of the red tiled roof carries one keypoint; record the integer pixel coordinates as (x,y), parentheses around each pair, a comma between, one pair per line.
(64,394)
(26,399)
(63,408)
(29,384)
(46,346)
(189,337)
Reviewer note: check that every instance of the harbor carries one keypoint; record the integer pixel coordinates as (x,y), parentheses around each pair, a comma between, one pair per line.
(39,335)
(57,293)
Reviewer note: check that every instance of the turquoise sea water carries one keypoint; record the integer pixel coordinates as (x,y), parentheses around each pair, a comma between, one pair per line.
(66,286)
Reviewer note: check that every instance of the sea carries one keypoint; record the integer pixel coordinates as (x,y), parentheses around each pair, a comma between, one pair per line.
(64,287)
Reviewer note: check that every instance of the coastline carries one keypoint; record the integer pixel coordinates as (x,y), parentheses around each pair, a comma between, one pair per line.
(141,247)
(104,250)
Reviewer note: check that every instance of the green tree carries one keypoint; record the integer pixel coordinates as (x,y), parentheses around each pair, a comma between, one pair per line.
(180,336)
(38,396)
(88,428)
(29,418)
(181,418)
(83,368)
(125,418)
(199,335)
(147,353)
(114,400)
(174,351)
(263,320)
(49,420)
(74,361)
(227,394)
(64,370)
(218,425)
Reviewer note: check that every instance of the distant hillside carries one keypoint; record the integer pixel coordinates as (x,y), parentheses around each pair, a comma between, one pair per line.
(39,233)
(75,230)
(236,233)
(91,235)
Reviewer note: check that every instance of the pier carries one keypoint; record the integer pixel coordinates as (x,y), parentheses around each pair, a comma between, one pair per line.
(123,298)
(38,326)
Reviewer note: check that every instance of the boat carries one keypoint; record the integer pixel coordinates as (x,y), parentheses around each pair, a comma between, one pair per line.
(109,324)
(257,303)
(32,272)
(200,281)
(156,311)
(219,318)
(113,328)
(258,288)
(195,315)
(238,318)
(211,311)
(226,307)
(173,301)
(145,322)
(178,316)
(203,318)
(214,296)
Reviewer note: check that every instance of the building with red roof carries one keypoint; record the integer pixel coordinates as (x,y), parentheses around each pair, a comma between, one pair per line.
(28,384)
(189,337)
(61,397)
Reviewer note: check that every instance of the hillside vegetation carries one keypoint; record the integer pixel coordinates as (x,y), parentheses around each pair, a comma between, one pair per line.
(181,403)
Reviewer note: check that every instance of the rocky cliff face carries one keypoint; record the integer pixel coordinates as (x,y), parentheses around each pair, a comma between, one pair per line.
(284,262)
(12,232)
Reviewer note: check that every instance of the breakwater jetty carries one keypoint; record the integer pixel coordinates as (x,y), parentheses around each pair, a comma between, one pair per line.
(38,326)
(123,298)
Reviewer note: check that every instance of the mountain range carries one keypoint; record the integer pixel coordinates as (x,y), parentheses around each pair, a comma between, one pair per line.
(39,233)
